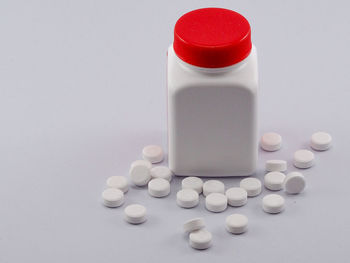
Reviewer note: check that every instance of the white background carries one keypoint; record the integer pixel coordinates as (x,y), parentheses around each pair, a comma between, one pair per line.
(82,90)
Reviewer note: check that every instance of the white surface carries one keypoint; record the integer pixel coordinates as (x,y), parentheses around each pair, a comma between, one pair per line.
(140,172)
(274,180)
(200,239)
(212,118)
(162,172)
(236,196)
(159,187)
(294,183)
(271,141)
(216,202)
(273,203)
(193,224)
(113,197)
(236,223)
(187,198)
(193,182)
(213,186)
(119,182)
(303,159)
(153,153)
(251,185)
(321,141)
(135,214)
(276,165)
(73,113)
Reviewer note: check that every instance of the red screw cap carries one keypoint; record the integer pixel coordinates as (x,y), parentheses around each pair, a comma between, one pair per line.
(212,38)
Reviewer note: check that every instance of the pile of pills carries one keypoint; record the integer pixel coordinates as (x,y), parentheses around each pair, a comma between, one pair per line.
(217,198)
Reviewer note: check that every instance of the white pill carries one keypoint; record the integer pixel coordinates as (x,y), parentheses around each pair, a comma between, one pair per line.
(192,182)
(273,203)
(294,183)
(200,239)
(274,181)
(276,165)
(118,182)
(153,153)
(303,159)
(187,198)
(113,197)
(158,187)
(216,202)
(213,186)
(162,172)
(236,196)
(140,172)
(321,141)
(251,185)
(236,223)
(135,214)
(271,142)
(193,224)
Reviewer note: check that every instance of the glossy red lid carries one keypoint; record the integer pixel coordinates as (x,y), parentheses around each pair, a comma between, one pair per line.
(212,37)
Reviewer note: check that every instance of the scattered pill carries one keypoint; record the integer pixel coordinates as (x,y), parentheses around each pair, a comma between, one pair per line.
(236,223)
(187,198)
(276,165)
(193,224)
(273,203)
(162,172)
(135,214)
(192,182)
(274,181)
(113,197)
(118,182)
(200,239)
(303,159)
(216,202)
(159,187)
(252,186)
(236,196)
(294,183)
(140,172)
(213,186)
(321,141)
(153,153)
(271,142)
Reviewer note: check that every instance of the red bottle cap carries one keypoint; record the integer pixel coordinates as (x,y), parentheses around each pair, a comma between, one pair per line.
(212,38)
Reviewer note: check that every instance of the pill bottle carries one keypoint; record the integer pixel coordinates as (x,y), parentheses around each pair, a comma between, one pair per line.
(212,84)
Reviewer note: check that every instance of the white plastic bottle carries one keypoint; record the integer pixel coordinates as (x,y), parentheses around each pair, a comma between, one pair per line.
(212,95)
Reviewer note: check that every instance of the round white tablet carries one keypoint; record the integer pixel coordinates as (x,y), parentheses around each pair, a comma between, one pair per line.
(236,196)
(187,198)
(158,187)
(274,181)
(135,214)
(236,223)
(213,186)
(303,159)
(113,197)
(153,153)
(294,183)
(273,203)
(194,224)
(276,165)
(200,239)
(216,202)
(251,185)
(118,182)
(192,182)
(162,172)
(271,142)
(321,141)
(140,172)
